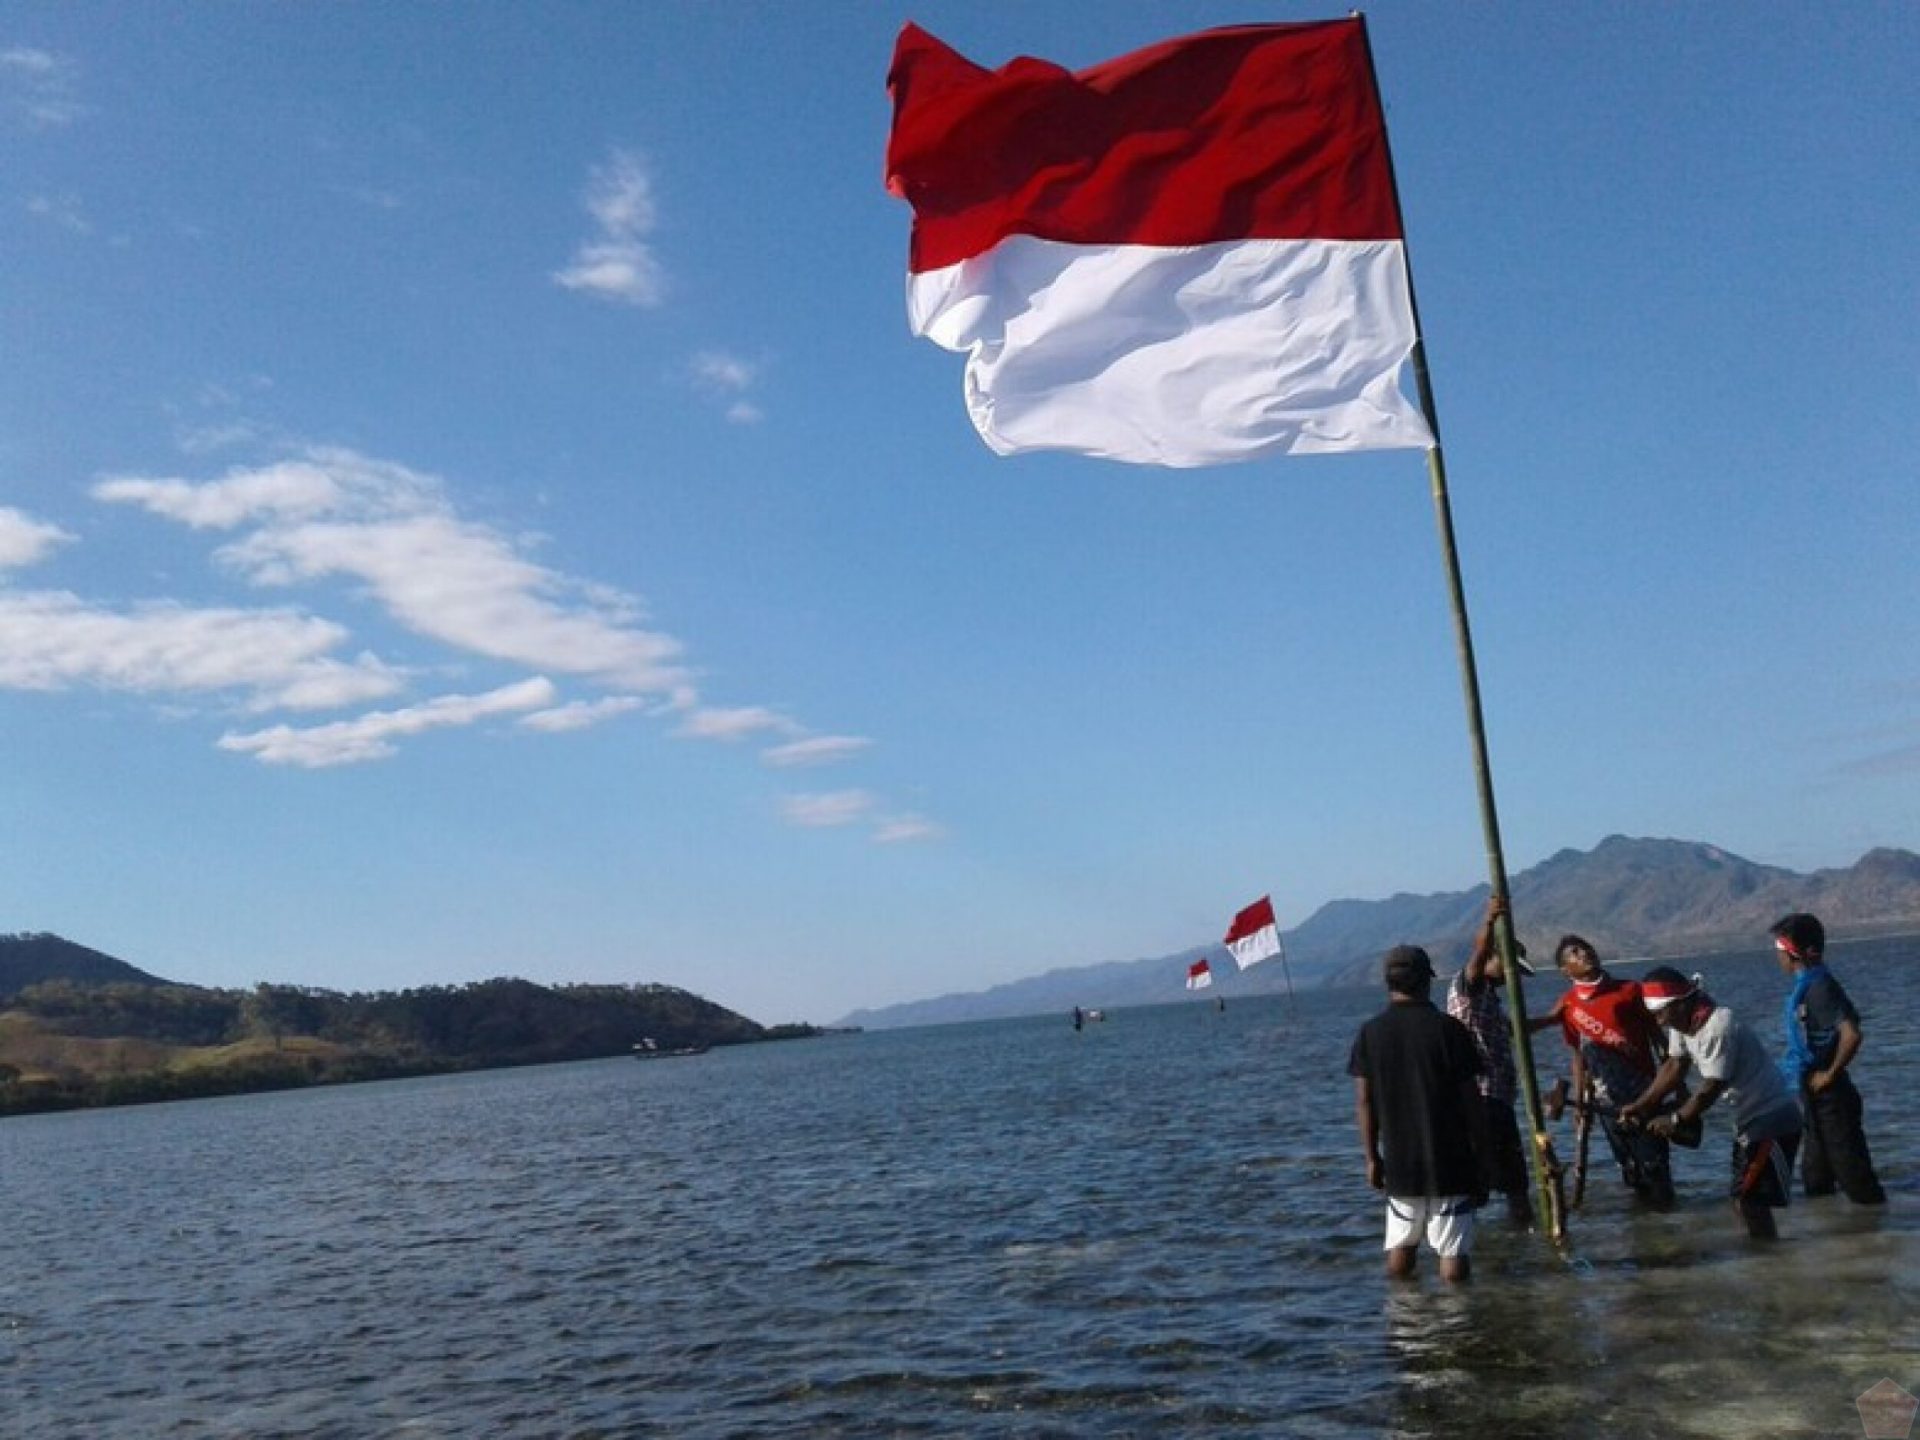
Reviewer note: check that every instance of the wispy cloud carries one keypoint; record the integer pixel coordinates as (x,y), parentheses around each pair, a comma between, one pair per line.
(211,439)
(581,714)
(737,723)
(372,198)
(62,211)
(25,540)
(1886,765)
(905,829)
(51,640)
(371,736)
(827,808)
(335,513)
(836,809)
(617,262)
(819,750)
(217,417)
(410,557)
(729,380)
(38,88)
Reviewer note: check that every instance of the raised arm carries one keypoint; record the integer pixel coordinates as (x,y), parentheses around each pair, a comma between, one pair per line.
(1480,964)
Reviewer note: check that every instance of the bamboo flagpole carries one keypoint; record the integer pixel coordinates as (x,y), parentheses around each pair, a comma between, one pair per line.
(1541,1150)
(1543,1164)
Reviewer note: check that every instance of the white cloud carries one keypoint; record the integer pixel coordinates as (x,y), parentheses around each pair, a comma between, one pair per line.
(25,540)
(37,88)
(327,481)
(61,210)
(331,514)
(372,198)
(904,829)
(335,513)
(617,263)
(207,439)
(51,640)
(727,379)
(371,736)
(580,714)
(828,808)
(465,586)
(721,371)
(737,723)
(819,750)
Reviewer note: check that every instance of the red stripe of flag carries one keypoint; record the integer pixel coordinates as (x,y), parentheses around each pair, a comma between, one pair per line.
(1250,132)
(1256,917)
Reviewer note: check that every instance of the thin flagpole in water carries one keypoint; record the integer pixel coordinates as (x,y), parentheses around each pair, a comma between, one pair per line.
(1540,1150)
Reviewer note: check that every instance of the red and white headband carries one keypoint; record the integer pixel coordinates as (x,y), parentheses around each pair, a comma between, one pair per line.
(1661,993)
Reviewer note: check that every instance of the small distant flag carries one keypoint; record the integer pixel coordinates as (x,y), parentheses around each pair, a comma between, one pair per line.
(1254,936)
(1199,975)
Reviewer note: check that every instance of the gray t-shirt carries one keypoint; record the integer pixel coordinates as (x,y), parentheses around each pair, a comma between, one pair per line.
(1725,1050)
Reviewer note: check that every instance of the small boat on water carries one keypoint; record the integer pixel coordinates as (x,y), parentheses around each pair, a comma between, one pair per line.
(647,1048)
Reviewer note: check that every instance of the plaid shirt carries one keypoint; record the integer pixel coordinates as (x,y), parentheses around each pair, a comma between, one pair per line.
(1482,1009)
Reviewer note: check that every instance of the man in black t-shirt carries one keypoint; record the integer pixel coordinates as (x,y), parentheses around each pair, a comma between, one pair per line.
(1822,1037)
(1420,1117)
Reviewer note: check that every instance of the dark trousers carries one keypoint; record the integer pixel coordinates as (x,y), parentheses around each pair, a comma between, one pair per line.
(1645,1162)
(1503,1168)
(1835,1149)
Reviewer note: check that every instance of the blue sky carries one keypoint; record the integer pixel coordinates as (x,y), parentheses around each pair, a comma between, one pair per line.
(469,504)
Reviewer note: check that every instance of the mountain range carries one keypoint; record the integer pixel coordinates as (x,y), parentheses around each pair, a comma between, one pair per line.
(1631,897)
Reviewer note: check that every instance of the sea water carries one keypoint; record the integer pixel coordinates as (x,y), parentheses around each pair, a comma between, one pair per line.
(1156,1226)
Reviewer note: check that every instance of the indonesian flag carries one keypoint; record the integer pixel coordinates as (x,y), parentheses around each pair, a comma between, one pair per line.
(1254,936)
(1188,255)
(1199,975)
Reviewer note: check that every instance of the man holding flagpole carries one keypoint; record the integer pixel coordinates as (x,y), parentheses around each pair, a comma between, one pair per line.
(1474,998)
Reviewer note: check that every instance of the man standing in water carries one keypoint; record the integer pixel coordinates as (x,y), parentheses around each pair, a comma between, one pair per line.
(1617,1049)
(1421,1121)
(1733,1062)
(1823,1036)
(1474,998)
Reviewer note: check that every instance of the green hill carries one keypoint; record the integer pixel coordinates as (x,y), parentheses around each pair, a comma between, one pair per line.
(79,1028)
(31,958)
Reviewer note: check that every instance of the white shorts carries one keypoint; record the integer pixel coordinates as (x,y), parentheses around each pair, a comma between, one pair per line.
(1445,1220)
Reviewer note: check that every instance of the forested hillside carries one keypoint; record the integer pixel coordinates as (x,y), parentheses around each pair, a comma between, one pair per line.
(65,1044)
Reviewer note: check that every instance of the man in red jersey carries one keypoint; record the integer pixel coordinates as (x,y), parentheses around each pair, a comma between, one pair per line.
(1617,1049)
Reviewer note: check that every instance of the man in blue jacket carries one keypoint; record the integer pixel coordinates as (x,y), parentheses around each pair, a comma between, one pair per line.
(1823,1036)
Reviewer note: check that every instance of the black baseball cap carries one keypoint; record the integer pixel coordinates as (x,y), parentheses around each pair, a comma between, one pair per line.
(1406,966)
